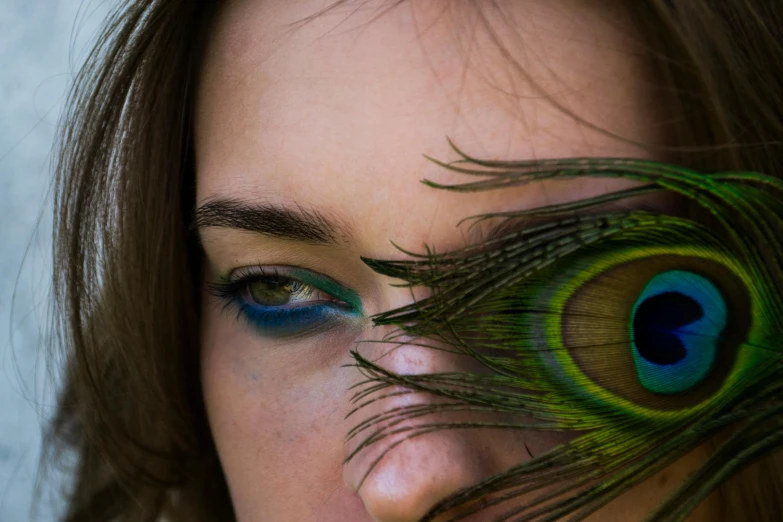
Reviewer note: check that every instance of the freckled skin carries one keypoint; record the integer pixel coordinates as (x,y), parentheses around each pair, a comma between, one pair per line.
(336,115)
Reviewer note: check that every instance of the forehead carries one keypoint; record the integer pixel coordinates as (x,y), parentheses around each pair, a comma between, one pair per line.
(337,113)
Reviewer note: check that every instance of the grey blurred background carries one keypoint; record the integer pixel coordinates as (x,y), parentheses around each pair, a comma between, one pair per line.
(42,44)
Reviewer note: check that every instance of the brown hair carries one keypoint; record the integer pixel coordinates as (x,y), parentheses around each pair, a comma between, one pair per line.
(127,270)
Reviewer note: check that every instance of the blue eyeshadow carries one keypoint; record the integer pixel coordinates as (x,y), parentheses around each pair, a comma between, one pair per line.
(271,321)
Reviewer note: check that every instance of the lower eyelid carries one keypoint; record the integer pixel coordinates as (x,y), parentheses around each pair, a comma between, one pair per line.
(289,321)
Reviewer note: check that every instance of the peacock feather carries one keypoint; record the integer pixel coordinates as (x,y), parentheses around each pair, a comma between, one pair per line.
(646,334)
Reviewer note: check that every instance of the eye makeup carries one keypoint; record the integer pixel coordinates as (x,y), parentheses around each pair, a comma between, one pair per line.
(283,301)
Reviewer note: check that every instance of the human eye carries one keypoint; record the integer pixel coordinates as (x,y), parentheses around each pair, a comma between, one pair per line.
(282,301)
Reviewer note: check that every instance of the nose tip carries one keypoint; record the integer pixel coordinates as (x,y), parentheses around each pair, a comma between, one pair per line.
(416,475)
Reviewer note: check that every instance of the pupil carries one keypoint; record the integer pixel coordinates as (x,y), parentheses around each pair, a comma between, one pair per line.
(655,322)
(271,292)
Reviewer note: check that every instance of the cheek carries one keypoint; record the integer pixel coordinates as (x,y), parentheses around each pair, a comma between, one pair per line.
(276,414)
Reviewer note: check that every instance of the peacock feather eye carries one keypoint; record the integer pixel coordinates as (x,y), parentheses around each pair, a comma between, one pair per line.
(652,328)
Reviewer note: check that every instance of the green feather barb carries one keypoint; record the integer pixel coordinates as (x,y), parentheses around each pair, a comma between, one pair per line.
(646,334)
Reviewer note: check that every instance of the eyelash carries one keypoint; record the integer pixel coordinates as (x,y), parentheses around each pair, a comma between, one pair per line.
(282,320)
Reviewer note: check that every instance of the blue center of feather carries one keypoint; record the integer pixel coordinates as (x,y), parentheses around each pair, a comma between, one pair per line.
(676,324)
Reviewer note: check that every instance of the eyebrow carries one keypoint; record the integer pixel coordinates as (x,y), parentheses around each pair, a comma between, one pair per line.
(293,223)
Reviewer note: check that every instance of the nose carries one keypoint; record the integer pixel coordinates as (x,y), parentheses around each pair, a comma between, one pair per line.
(401,476)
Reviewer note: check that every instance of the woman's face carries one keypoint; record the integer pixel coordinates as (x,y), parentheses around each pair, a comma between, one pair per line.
(310,150)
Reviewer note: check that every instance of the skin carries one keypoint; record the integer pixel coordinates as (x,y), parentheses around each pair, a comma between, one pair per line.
(335,116)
